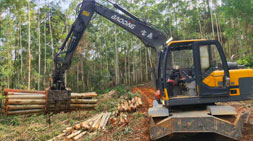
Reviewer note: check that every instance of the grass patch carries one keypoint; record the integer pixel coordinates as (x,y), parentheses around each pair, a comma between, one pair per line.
(121,89)
(131,95)
(125,131)
(108,105)
(35,127)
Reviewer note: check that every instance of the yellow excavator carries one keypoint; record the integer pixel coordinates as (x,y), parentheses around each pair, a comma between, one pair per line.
(192,75)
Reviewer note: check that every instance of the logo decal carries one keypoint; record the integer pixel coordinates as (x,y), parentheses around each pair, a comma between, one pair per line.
(86,13)
(143,32)
(150,36)
(123,21)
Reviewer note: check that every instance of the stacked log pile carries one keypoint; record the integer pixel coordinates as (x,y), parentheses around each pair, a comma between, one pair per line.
(99,121)
(83,100)
(26,102)
(130,105)
(23,102)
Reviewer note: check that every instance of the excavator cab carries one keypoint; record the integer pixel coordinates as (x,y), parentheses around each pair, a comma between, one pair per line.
(196,72)
(193,75)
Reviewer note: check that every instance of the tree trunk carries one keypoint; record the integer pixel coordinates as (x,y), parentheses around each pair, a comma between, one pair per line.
(211,15)
(116,58)
(125,66)
(51,35)
(45,53)
(29,47)
(146,64)
(39,48)
(217,27)
(21,53)
(200,26)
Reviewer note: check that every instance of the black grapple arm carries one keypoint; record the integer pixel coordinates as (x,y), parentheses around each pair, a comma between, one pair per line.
(151,37)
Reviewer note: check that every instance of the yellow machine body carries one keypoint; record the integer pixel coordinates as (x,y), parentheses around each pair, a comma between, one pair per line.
(217,76)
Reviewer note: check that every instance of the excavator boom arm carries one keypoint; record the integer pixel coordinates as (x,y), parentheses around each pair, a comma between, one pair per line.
(150,36)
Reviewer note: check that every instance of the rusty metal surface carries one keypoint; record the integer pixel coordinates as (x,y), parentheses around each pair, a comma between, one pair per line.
(217,110)
(59,98)
(197,122)
(158,110)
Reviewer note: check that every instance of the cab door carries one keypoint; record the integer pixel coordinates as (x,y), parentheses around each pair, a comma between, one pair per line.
(211,69)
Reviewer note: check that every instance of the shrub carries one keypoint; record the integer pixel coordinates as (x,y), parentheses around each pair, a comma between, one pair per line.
(247,61)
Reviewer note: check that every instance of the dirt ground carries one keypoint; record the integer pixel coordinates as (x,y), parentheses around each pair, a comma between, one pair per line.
(139,121)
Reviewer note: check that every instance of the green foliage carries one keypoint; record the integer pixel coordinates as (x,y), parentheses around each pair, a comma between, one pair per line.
(127,131)
(131,95)
(122,89)
(94,63)
(247,61)
(11,120)
(139,115)
(108,105)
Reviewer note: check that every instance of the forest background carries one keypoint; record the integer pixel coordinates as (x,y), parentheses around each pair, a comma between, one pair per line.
(32,30)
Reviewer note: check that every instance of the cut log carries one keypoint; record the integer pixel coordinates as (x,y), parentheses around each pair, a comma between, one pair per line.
(24,107)
(85,124)
(125,119)
(79,135)
(22,91)
(17,93)
(26,101)
(116,113)
(127,108)
(32,96)
(120,107)
(83,95)
(20,112)
(106,120)
(82,106)
(139,101)
(57,137)
(68,130)
(129,105)
(113,121)
(136,101)
(132,107)
(84,101)
(77,126)
(121,119)
(133,101)
(103,118)
(96,123)
(73,134)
